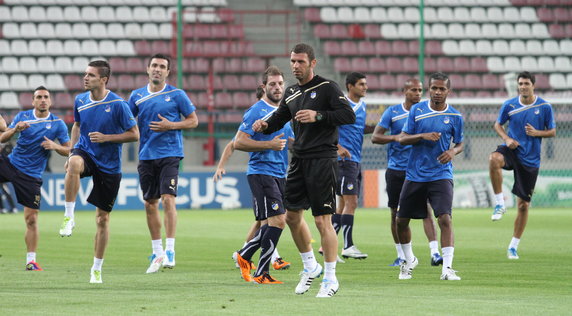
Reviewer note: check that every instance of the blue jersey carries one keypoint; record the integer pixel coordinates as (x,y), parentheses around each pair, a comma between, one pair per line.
(29,156)
(108,116)
(423,165)
(393,120)
(538,114)
(269,162)
(171,103)
(351,135)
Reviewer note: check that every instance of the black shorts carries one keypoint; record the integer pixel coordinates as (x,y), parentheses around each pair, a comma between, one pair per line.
(267,195)
(393,184)
(28,189)
(158,177)
(349,181)
(524,176)
(105,185)
(311,183)
(415,196)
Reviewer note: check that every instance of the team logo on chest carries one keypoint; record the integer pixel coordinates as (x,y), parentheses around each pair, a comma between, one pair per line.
(537,111)
(313,95)
(350,186)
(167,98)
(108,108)
(275,205)
(49,125)
(446,120)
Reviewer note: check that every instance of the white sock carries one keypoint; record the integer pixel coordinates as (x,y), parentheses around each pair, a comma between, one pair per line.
(330,271)
(499,198)
(30,256)
(275,255)
(408,252)
(434,246)
(400,254)
(70,208)
(170,244)
(309,260)
(97,263)
(157,246)
(514,243)
(447,258)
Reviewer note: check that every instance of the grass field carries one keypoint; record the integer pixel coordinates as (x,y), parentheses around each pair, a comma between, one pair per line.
(205,281)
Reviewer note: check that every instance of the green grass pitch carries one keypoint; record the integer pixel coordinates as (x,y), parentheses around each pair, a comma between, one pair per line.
(205,282)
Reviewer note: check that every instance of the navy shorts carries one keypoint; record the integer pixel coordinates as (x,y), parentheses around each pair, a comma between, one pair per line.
(105,185)
(415,196)
(28,189)
(158,177)
(393,184)
(349,181)
(311,183)
(267,195)
(524,176)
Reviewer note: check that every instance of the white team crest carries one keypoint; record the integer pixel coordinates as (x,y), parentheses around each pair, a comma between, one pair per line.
(167,98)
(49,125)
(313,95)
(350,186)
(537,111)
(446,120)
(275,206)
(108,108)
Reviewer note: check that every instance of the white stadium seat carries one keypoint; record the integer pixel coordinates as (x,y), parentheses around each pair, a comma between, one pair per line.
(539,30)
(546,64)
(489,30)
(47,30)
(20,14)
(19,48)
(439,30)
(56,82)
(456,30)
(451,47)
(517,47)
(378,14)
(563,63)
(98,30)
(362,14)
(37,47)
(63,64)
(500,47)
(473,30)
(158,14)
(558,81)
(10,65)
(5,48)
(80,64)
(18,82)
(63,30)
(9,100)
(5,14)
(125,48)
(467,47)
(80,31)
(495,64)
(72,14)
(528,14)
(534,47)
(430,15)
(37,14)
(511,14)
(4,83)
(484,48)
(141,14)
(89,48)
(72,47)
(11,30)
(90,14)
(407,31)
(395,14)
(551,47)
(133,30)
(566,47)
(495,14)
(345,15)
(124,14)
(328,14)
(166,30)
(46,65)
(55,14)
(115,30)
(506,30)
(28,30)
(411,15)
(479,14)
(389,30)
(107,48)
(55,47)
(512,64)
(150,31)
(529,63)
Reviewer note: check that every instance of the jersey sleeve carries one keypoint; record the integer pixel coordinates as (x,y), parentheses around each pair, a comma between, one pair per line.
(124,116)
(385,120)
(549,121)
(280,117)
(458,133)
(76,116)
(132,106)
(15,121)
(184,104)
(248,119)
(503,114)
(62,134)
(409,126)
(340,112)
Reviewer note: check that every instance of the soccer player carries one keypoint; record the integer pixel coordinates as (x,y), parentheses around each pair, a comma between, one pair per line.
(393,120)
(431,126)
(349,158)
(530,118)
(103,122)
(317,107)
(158,107)
(266,176)
(38,129)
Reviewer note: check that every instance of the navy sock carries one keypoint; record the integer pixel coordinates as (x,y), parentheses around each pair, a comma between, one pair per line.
(337,222)
(347,229)
(269,243)
(250,248)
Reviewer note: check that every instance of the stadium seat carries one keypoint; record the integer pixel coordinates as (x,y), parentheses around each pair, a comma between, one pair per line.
(6,14)
(328,14)
(457,82)
(89,48)
(55,47)
(517,47)
(241,100)
(73,82)
(117,65)
(10,65)
(18,82)
(562,15)
(473,81)
(63,100)
(339,31)
(345,14)
(28,30)
(90,14)
(25,99)
(383,48)
(545,14)
(395,14)
(388,82)
(362,14)
(373,82)
(378,15)
(124,14)
(489,30)
(500,47)
(158,14)
(479,64)
(430,65)
(528,14)
(348,48)
(359,64)
(342,64)
(473,30)
(19,47)
(410,64)
(506,30)
(495,15)
(445,64)
(534,47)
(5,49)
(196,82)
(467,47)
(231,82)
(332,48)
(439,31)
(563,63)
(484,48)
(45,65)
(558,81)
(55,81)
(48,30)
(557,31)
(37,47)
(125,82)
(125,48)
(249,82)
(141,14)
(133,30)
(490,81)
(445,14)
(530,64)
(233,65)
(511,14)
(461,14)
(79,64)
(539,30)
(64,30)
(451,47)
(81,31)
(134,65)
(72,14)
(568,30)
(4,83)
(366,48)
(456,30)
(495,64)
(546,64)
(20,14)
(11,30)
(150,31)
(400,48)
(312,15)
(98,31)
(542,81)
(389,30)
(461,64)
(55,14)
(479,14)
(394,65)
(377,65)
(160,47)
(522,28)
(63,64)
(223,100)
(9,100)
(551,47)
(73,48)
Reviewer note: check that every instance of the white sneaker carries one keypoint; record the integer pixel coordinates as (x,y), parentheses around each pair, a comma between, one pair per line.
(353,252)
(328,288)
(406,269)
(156,262)
(512,254)
(169,261)
(306,279)
(450,275)
(340,260)
(95,276)
(67,227)
(498,212)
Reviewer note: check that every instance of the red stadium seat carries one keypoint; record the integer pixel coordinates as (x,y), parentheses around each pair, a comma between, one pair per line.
(25,99)
(568,30)
(373,82)
(542,82)
(400,82)
(202,31)
(356,31)
(199,64)
(254,64)
(400,48)
(143,48)
(557,31)
(142,80)
(64,100)
(479,64)
(394,64)
(217,83)
(462,64)
(466,94)
(433,48)
(117,64)
(192,48)
(473,81)
(377,64)
(125,82)
(387,82)
(236,31)
(332,48)
(196,82)
(410,65)
(233,65)
(242,100)
(457,82)
(445,64)
(312,15)
(223,100)
(231,82)
(383,48)
(339,31)
(342,64)
(219,65)
(322,31)
(413,47)
(430,65)
(359,64)
(219,31)
(249,82)
(200,99)
(226,15)
(491,81)
(366,48)
(73,82)
(483,94)
(211,48)
(161,47)
(561,15)
(545,15)
(372,31)
(349,48)
(134,64)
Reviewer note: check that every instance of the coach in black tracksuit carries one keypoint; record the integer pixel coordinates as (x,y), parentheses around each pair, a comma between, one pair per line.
(318,107)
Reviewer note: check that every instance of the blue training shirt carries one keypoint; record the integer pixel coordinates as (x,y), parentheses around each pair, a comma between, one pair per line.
(538,114)
(171,103)
(423,165)
(393,120)
(29,156)
(108,116)
(269,162)
(351,135)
